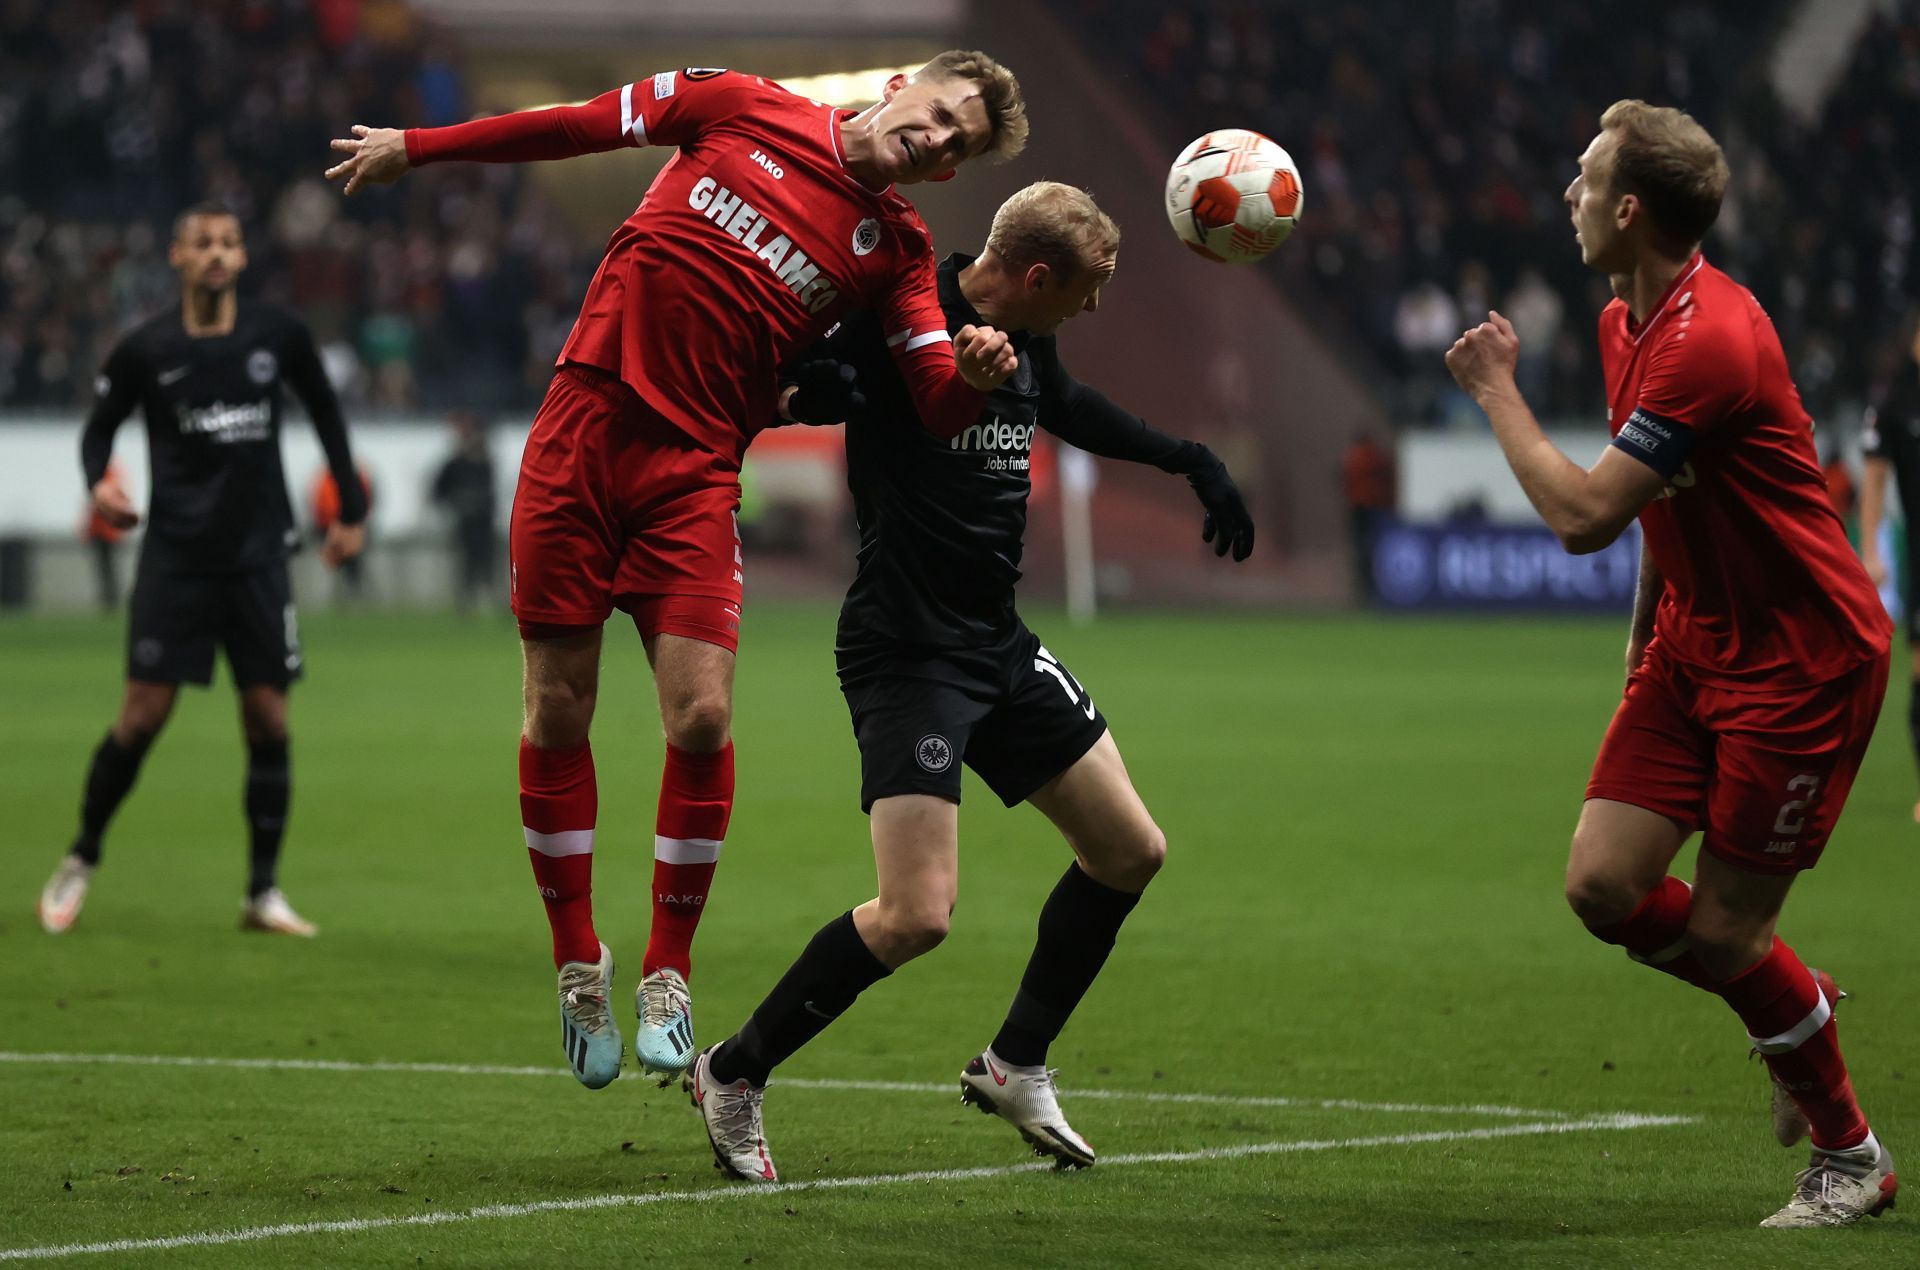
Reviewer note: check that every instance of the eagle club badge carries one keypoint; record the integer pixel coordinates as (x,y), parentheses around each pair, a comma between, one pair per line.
(866,236)
(261,366)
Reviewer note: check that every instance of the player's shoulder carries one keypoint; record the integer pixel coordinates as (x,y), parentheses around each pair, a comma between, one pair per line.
(744,87)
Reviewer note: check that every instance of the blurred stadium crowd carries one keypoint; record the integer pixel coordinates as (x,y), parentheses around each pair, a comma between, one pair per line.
(1435,140)
(113,116)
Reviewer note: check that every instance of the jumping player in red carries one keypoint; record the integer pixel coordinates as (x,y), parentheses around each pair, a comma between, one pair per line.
(777,217)
(1758,654)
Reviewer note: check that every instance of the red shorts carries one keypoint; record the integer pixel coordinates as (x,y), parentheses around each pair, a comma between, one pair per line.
(1764,774)
(617,508)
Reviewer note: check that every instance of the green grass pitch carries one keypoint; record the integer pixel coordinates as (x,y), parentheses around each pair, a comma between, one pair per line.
(1367,822)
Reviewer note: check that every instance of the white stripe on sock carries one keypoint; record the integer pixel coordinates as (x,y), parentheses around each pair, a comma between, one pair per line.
(1796,1036)
(686,850)
(566,842)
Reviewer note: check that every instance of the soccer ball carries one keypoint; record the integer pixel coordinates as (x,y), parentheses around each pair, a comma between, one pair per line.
(1233,195)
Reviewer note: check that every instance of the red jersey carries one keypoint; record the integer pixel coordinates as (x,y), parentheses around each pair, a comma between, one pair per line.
(1762,587)
(752,243)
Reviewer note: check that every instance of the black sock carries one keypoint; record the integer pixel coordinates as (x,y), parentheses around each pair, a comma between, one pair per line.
(109,777)
(836,967)
(1077,929)
(269,789)
(1913,715)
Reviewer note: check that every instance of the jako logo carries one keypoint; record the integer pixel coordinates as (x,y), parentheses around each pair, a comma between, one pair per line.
(695,900)
(547,892)
(777,171)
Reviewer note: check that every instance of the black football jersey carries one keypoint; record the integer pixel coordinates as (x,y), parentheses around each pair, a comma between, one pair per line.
(213,411)
(942,521)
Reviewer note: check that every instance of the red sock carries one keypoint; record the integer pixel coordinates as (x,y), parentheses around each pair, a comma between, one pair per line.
(1655,934)
(696,800)
(558,804)
(1791,1024)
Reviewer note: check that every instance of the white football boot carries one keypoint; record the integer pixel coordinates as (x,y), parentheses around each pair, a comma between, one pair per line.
(64,893)
(1839,1189)
(1025,1098)
(270,912)
(588,1033)
(664,1043)
(734,1128)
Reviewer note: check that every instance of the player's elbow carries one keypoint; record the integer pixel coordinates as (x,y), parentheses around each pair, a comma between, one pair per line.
(1586,532)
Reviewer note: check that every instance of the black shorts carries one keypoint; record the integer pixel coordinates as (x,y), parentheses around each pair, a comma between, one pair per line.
(178,617)
(1012,713)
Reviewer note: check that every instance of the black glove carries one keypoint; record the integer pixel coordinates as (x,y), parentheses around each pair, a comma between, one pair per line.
(1227,526)
(825,391)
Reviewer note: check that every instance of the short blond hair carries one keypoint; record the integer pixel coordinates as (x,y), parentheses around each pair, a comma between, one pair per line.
(1051,224)
(999,93)
(1673,164)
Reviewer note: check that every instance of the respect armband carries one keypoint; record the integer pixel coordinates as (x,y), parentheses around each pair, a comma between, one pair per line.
(1662,444)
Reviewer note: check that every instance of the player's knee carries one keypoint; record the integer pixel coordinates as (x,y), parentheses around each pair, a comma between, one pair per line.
(913,932)
(1137,860)
(141,719)
(1726,942)
(558,713)
(700,723)
(1598,900)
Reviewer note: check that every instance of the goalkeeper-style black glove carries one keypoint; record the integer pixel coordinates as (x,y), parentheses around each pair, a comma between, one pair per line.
(825,391)
(1227,525)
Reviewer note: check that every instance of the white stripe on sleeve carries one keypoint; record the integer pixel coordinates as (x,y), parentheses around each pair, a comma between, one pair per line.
(913,341)
(626,109)
(566,842)
(686,850)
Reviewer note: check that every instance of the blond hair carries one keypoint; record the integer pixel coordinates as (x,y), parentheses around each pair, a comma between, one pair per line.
(1674,165)
(999,93)
(1051,224)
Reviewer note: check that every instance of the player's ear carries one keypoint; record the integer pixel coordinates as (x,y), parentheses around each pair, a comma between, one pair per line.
(895,82)
(1037,277)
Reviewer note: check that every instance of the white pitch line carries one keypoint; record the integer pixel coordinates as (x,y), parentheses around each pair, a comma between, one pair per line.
(863,1086)
(723,1193)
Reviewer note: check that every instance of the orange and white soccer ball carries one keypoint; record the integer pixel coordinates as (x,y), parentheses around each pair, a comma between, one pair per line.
(1233,196)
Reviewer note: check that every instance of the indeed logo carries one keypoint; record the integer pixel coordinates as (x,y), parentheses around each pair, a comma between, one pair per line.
(995,435)
(225,423)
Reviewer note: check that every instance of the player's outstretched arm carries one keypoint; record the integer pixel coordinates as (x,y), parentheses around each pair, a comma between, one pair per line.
(1083,417)
(380,156)
(1587,510)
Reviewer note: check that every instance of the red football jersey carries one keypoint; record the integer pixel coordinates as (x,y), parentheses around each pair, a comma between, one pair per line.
(1762,587)
(751,243)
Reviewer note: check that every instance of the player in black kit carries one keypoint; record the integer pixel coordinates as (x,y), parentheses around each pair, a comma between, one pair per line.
(213,567)
(1891,442)
(939,670)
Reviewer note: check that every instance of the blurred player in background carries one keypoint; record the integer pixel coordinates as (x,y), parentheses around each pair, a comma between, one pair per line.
(1891,442)
(213,566)
(1758,652)
(938,669)
(778,216)
(464,487)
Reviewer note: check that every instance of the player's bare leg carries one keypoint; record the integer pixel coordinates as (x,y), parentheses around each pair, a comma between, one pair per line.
(144,709)
(263,722)
(694,681)
(916,851)
(1117,851)
(559,803)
